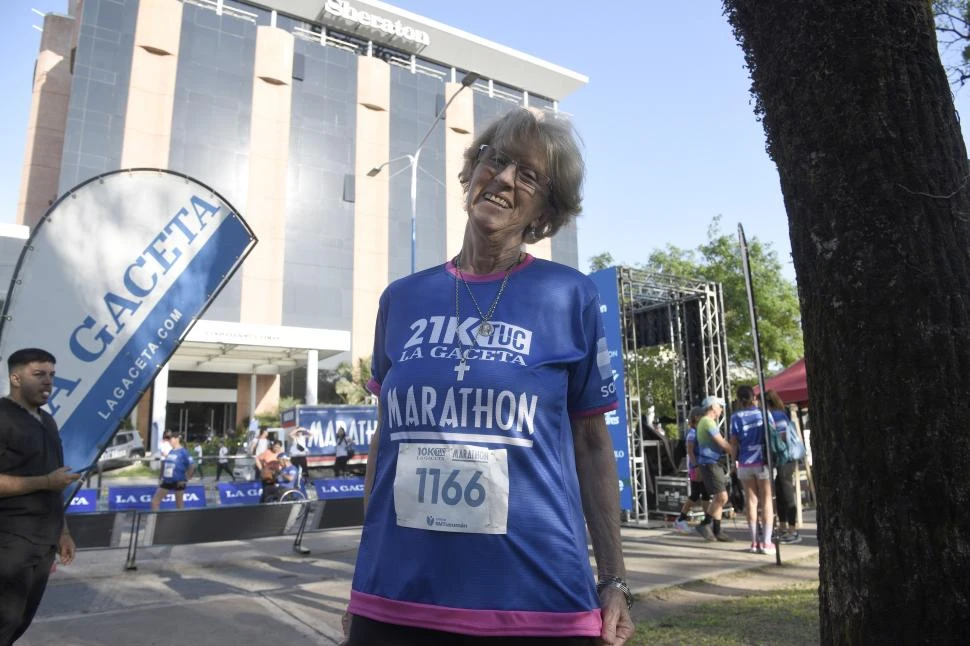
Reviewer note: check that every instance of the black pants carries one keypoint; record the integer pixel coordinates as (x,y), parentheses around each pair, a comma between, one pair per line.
(224,466)
(271,492)
(785,491)
(340,465)
(367,632)
(24,569)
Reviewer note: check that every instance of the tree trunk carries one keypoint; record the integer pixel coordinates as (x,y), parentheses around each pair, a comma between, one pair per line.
(860,122)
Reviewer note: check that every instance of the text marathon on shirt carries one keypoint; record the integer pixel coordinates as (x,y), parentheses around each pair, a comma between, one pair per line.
(444,338)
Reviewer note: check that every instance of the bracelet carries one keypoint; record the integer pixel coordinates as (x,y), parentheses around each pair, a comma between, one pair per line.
(619,584)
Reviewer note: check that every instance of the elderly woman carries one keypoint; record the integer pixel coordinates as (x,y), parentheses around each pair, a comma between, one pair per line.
(492,453)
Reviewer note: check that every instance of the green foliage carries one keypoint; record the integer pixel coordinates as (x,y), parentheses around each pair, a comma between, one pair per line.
(601,261)
(270,419)
(652,369)
(351,384)
(719,260)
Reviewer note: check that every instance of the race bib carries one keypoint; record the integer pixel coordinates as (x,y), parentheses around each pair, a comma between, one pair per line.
(452,488)
(168,471)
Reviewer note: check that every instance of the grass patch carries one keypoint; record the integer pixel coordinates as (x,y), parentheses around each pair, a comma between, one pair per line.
(788,616)
(134,471)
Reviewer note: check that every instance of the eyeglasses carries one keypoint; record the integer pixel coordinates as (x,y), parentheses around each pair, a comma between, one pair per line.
(525,176)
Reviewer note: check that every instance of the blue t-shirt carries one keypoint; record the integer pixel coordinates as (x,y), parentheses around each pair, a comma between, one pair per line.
(691,438)
(475,524)
(781,421)
(749,427)
(176,465)
(281,479)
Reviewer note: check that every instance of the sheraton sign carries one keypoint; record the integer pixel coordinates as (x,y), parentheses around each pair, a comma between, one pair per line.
(345,10)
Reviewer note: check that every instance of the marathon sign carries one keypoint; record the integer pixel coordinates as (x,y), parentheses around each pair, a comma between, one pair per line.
(140,498)
(110,281)
(337,488)
(240,493)
(84,501)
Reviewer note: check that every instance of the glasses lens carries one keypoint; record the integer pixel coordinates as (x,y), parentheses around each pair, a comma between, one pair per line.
(528,177)
(498,161)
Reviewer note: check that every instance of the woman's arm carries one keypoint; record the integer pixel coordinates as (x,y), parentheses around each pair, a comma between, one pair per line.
(600,494)
(371,468)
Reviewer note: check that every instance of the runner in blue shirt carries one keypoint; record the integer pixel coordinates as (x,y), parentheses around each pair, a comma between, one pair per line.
(748,439)
(177,468)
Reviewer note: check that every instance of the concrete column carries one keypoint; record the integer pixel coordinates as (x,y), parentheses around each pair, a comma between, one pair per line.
(151,95)
(47,121)
(159,404)
(269,150)
(312,360)
(371,205)
(460,122)
(252,395)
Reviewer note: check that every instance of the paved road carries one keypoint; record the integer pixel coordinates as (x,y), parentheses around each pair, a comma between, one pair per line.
(237,592)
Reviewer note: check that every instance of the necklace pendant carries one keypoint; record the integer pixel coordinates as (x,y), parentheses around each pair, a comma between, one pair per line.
(485,329)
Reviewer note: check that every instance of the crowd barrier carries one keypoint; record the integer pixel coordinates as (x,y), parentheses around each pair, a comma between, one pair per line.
(122,516)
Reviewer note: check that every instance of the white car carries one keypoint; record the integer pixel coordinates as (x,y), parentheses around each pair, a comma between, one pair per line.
(124,446)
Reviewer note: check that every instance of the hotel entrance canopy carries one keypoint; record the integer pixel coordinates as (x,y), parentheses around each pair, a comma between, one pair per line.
(242,348)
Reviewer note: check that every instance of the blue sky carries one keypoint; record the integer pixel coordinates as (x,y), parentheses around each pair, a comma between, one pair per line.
(670,135)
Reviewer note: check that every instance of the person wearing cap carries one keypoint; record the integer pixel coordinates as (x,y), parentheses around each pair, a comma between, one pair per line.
(289,472)
(712,453)
(697,489)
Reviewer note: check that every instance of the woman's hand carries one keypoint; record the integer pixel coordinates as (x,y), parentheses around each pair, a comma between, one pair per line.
(345,623)
(617,624)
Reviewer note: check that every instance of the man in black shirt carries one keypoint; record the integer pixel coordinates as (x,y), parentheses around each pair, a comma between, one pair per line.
(32,477)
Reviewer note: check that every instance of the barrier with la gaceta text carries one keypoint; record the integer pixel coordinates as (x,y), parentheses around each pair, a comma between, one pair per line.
(84,501)
(140,498)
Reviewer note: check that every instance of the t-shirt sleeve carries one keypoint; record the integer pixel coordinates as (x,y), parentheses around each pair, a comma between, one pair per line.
(591,387)
(380,362)
(707,428)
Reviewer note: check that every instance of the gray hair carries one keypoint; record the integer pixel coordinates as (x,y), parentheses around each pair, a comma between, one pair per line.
(557,138)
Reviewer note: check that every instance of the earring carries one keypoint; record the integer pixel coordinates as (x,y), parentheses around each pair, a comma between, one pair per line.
(533,232)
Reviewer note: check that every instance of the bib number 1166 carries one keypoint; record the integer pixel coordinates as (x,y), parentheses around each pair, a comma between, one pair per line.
(443,487)
(450,491)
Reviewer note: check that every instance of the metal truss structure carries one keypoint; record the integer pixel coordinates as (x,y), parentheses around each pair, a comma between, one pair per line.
(687,316)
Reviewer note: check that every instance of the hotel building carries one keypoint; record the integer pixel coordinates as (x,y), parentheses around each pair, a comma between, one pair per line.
(285,108)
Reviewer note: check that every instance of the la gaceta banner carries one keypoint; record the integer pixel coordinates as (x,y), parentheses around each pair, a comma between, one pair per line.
(140,498)
(109,282)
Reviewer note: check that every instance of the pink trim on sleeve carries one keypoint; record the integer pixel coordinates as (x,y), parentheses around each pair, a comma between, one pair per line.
(374,387)
(483,623)
(593,411)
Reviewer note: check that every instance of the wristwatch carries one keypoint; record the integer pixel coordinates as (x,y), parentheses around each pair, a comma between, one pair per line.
(619,584)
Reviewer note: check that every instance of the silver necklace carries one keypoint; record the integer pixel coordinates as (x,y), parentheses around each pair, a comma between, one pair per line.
(485,328)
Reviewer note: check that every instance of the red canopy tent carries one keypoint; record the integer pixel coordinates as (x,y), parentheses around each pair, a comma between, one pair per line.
(790,384)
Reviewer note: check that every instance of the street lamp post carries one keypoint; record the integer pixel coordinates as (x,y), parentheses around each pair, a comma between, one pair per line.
(413,159)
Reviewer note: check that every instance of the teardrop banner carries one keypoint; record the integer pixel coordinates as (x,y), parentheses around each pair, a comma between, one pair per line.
(110,281)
